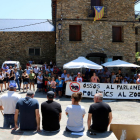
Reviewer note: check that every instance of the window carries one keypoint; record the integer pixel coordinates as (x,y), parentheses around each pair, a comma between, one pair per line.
(75,32)
(34,51)
(116,34)
(136,31)
(94,3)
(136,45)
(117,57)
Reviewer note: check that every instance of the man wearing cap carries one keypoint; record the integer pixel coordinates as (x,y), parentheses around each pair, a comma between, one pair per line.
(100,113)
(29,113)
(7,104)
(51,113)
(79,78)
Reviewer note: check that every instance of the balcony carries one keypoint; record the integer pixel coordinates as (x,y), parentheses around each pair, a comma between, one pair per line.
(91,13)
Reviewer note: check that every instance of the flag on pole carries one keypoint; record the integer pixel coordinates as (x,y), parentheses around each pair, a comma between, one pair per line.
(99,12)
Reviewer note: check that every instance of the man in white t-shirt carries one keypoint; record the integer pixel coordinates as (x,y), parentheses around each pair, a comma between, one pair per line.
(68,78)
(36,71)
(7,104)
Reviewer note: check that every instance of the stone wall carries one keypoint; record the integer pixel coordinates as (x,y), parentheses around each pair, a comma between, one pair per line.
(96,36)
(15,46)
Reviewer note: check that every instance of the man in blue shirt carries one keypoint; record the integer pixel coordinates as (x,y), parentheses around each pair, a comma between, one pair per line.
(59,82)
(29,113)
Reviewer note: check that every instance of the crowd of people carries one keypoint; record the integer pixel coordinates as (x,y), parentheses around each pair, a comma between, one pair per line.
(23,113)
(50,77)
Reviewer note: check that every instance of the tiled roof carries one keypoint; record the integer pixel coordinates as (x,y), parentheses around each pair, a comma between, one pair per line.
(26,25)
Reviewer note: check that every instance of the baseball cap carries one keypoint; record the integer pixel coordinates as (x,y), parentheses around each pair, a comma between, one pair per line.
(79,73)
(12,85)
(30,92)
(50,94)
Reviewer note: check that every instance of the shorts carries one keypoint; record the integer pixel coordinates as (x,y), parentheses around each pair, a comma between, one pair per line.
(32,81)
(1,81)
(20,80)
(5,79)
(25,83)
(59,88)
(53,89)
(40,85)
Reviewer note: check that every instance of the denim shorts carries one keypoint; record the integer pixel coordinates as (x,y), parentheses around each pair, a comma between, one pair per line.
(53,89)
(25,83)
(8,121)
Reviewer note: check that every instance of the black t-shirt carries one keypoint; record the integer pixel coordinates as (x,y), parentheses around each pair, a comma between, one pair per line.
(100,112)
(27,107)
(50,115)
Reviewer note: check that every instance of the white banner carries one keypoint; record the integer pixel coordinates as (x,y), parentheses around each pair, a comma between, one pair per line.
(109,91)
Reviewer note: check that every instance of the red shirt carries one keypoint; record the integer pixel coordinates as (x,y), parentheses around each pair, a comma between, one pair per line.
(79,79)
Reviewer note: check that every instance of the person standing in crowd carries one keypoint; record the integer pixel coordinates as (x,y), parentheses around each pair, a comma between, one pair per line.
(20,71)
(79,78)
(30,67)
(53,86)
(8,104)
(5,78)
(60,86)
(8,74)
(1,80)
(36,71)
(133,80)
(5,67)
(55,70)
(138,79)
(51,113)
(17,78)
(27,70)
(87,75)
(75,114)
(68,78)
(104,77)
(15,66)
(64,75)
(49,84)
(39,82)
(124,81)
(32,78)
(49,70)
(100,113)
(94,78)
(119,74)
(46,76)
(113,76)
(116,80)
(12,76)
(29,109)
(25,78)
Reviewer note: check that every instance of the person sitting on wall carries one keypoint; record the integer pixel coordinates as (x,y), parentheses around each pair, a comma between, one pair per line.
(100,113)
(75,113)
(51,113)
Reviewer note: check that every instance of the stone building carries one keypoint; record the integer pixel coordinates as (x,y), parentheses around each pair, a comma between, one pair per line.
(23,40)
(113,37)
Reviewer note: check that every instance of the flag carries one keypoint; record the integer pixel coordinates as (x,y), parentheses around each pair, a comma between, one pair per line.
(99,12)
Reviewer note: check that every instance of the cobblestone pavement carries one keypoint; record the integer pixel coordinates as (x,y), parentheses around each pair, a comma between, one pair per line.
(124,112)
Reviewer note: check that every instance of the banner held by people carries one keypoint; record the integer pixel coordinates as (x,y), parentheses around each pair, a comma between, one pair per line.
(109,91)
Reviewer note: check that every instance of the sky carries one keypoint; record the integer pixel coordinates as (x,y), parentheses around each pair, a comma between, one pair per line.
(29,9)
(25,9)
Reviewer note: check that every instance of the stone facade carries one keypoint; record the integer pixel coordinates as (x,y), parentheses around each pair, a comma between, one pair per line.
(15,46)
(96,35)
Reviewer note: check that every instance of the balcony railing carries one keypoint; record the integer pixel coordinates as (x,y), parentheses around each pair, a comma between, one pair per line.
(91,13)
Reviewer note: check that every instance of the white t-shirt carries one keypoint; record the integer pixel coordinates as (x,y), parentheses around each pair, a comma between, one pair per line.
(67,79)
(8,101)
(75,117)
(36,70)
(1,76)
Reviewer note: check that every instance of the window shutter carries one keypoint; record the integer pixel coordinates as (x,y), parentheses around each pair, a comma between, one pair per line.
(75,32)
(117,34)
